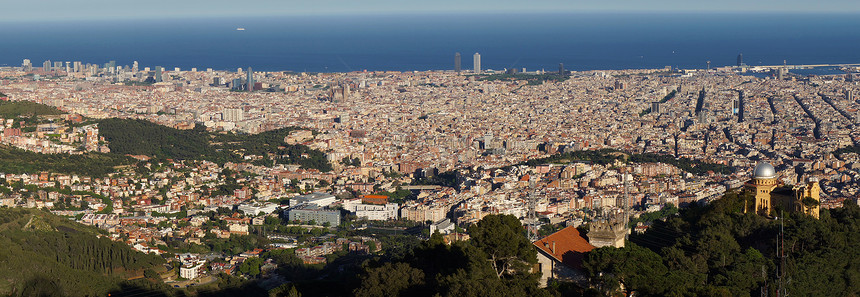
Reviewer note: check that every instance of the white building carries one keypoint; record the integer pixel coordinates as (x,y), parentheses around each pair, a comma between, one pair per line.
(444,226)
(377,212)
(252,209)
(233,115)
(191,270)
(318,199)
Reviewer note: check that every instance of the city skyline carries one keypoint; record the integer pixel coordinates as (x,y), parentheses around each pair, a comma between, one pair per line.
(55,10)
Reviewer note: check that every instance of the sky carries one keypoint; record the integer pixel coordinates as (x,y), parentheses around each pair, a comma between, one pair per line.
(60,10)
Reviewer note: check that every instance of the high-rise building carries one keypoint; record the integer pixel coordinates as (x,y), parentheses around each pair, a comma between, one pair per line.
(655,107)
(233,115)
(26,65)
(46,66)
(250,80)
(68,66)
(457,62)
(134,66)
(740,59)
(781,73)
(476,61)
(158,73)
(561,69)
(58,65)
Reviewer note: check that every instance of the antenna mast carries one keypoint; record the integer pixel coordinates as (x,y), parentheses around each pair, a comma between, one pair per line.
(532,204)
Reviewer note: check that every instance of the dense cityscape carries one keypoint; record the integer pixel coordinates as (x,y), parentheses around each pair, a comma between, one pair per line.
(240,175)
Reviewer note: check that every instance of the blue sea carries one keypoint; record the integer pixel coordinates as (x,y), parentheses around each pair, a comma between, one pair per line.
(428,42)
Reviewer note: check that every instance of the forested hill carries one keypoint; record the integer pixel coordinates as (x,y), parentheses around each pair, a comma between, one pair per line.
(717,250)
(12,109)
(140,137)
(46,255)
(15,160)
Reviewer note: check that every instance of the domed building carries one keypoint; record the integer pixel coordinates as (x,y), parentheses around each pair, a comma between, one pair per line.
(770,193)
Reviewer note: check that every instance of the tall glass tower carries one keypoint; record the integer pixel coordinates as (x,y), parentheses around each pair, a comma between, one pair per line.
(477,62)
(158,71)
(457,62)
(250,80)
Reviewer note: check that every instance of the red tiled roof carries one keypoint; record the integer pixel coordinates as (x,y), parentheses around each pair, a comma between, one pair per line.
(566,246)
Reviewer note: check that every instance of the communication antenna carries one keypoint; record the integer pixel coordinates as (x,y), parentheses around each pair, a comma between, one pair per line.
(626,196)
(781,289)
(764,286)
(532,204)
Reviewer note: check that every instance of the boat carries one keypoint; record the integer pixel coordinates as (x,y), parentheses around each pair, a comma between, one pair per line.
(240,29)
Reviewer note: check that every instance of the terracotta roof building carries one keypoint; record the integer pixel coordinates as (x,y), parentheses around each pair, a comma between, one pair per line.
(560,255)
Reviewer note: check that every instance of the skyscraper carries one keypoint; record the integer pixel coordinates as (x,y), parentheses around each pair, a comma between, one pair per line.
(250,80)
(457,62)
(560,68)
(46,66)
(158,71)
(740,59)
(476,60)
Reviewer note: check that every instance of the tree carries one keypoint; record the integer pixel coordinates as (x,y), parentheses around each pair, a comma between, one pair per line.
(503,240)
(251,266)
(390,280)
(634,267)
(150,274)
(285,290)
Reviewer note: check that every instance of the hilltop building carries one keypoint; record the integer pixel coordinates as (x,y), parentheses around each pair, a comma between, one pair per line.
(560,256)
(770,194)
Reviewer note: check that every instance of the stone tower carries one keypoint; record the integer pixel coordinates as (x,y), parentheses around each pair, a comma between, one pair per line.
(608,232)
(808,197)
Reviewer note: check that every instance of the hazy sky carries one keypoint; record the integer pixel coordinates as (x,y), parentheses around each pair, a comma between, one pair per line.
(43,10)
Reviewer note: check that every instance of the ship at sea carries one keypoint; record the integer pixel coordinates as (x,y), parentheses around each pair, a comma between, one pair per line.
(240,29)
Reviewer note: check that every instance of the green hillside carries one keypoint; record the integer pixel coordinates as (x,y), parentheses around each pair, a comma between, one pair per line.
(13,109)
(15,160)
(46,255)
(140,137)
(717,250)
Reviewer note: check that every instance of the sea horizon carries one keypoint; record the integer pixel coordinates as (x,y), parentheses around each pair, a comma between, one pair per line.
(421,42)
